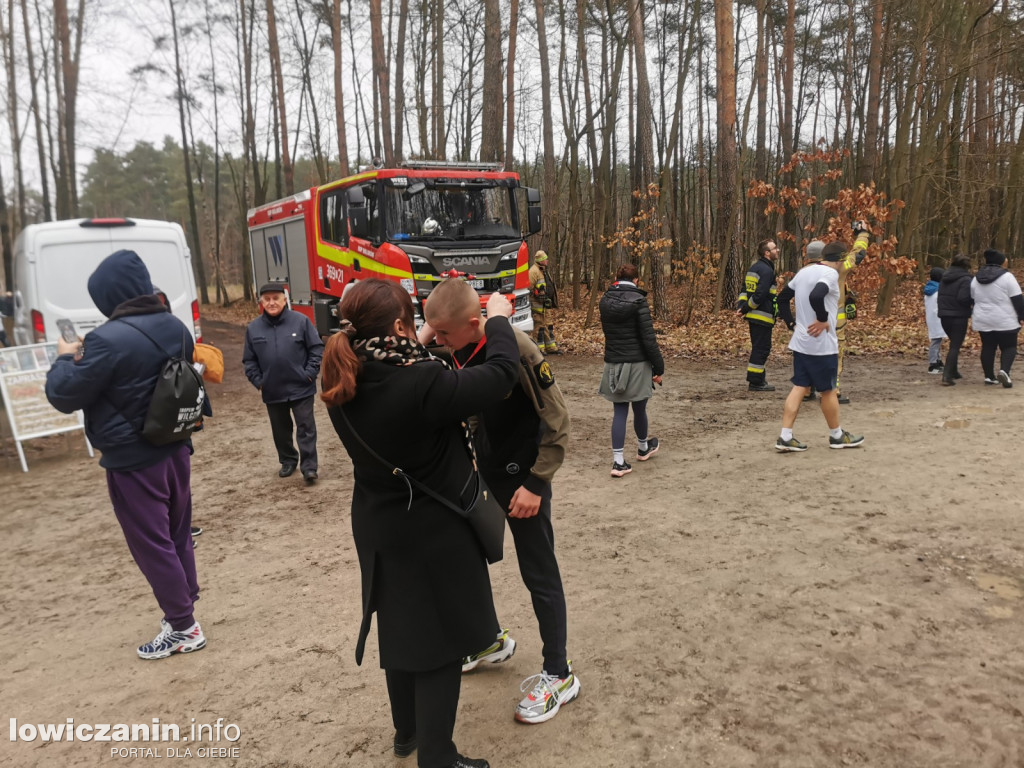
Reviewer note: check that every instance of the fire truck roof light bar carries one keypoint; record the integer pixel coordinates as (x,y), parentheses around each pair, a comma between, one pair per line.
(430,165)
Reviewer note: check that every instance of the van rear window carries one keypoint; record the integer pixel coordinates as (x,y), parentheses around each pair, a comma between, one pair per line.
(63,270)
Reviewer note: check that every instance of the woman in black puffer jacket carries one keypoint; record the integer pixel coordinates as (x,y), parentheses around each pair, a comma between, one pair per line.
(632,364)
(954,311)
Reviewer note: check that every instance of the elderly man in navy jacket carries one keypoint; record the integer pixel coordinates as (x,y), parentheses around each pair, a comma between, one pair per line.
(282,360)
(111,377)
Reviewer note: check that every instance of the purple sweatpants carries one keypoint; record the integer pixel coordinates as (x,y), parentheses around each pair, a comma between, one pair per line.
(154,507)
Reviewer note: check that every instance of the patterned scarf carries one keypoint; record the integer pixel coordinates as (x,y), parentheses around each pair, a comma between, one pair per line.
(401,351)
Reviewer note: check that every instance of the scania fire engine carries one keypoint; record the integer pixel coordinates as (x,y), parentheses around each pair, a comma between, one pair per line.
(413,224)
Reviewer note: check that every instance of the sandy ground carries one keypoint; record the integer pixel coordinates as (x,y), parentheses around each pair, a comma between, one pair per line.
(728,606)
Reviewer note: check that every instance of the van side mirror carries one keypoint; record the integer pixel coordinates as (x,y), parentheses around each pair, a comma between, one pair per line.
(533,210)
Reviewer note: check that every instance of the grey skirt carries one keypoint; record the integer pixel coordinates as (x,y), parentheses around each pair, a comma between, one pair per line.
(626,382)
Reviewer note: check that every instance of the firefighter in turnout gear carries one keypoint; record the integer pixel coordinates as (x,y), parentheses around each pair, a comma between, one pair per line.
(757,305)
(543,302)
(849,259)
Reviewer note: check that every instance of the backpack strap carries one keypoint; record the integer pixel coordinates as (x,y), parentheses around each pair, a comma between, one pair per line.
(184,337)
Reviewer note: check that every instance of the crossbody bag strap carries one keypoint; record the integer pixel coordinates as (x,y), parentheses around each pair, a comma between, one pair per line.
(410,481)
(184,337)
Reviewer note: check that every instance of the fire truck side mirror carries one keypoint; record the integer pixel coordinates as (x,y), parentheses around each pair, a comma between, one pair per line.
(533,210)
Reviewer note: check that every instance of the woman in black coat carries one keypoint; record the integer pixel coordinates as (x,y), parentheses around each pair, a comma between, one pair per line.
(954,312)
(632,364)
(423,570)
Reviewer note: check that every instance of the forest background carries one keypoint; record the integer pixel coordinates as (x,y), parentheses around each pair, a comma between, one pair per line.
(675,134)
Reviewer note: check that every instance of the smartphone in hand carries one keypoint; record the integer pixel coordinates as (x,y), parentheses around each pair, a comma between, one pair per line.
(67,330)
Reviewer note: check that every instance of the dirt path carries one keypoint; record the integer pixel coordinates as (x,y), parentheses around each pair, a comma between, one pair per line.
(728,606)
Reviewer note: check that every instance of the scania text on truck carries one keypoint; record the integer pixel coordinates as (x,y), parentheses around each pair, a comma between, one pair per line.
(411,224)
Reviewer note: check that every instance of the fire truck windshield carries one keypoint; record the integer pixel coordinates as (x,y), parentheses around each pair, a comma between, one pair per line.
(474,212)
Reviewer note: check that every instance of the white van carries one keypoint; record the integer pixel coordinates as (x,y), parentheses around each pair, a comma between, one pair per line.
(53,261)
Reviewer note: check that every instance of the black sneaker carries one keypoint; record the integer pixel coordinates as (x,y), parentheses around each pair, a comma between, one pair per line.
(844,400)
(652,448)
(934,368)
(405,746)
(618,470)
(810,396)
(468,762)
(196,531)
(763,386)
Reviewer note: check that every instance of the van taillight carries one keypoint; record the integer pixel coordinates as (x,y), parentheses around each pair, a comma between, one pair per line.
(195,320)
(38,327)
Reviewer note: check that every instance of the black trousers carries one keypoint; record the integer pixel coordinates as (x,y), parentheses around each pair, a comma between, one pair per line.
(1006,341)
(535,550)
(304,428)
(760,348)
(425,704)
(956,330)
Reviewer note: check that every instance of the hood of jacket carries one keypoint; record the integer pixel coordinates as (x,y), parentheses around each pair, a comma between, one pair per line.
(990,273)
(119,277)
(931,287)
(953,274)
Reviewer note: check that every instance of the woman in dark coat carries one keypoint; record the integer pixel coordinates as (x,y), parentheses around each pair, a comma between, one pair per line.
(954,312)
(423,570)
(632,364)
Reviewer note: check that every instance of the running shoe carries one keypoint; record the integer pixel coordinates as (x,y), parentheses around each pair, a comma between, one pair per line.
(500,650)
(790,445)
(652,448)
(547,695)
(846,440)
(618,470)
(169,642)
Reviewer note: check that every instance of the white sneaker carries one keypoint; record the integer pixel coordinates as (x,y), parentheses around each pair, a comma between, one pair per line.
(500,650)
(547,696)
(170,641)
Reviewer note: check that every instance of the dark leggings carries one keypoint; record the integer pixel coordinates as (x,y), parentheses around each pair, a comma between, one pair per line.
(1007,343)
(619,423)
(425,704)
(956,329)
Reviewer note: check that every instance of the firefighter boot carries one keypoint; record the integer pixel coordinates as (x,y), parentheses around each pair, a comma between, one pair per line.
(542,341)
(552,345)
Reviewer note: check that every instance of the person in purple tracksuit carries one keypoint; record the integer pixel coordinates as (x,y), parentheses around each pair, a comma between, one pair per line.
(110,376)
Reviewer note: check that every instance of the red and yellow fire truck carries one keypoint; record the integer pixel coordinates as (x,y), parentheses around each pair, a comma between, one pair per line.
(412,224)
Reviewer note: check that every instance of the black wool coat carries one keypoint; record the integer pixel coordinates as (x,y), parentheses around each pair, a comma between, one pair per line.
(423,571)
(628,330)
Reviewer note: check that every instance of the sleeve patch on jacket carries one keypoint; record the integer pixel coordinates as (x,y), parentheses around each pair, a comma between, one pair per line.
(545,376)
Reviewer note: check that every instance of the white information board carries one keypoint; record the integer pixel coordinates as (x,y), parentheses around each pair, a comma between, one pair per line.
(23,389)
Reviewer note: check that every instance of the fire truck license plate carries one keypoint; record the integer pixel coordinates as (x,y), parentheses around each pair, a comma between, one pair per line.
(476,283)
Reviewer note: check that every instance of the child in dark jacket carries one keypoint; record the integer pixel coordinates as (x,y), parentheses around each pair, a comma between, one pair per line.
(931,317)
(954,307)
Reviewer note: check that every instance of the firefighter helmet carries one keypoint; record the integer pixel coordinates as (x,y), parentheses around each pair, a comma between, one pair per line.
(431,227)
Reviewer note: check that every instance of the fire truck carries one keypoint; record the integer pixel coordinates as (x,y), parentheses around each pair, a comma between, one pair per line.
(415,224)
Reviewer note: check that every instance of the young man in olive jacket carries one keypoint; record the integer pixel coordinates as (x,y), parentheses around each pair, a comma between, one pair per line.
(282,360)
(520,445)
